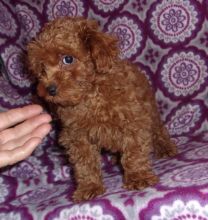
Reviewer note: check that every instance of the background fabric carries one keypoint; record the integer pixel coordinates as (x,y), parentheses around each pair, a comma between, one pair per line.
(168,39)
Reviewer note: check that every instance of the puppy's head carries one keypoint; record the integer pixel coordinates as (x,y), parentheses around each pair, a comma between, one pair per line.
(67,56)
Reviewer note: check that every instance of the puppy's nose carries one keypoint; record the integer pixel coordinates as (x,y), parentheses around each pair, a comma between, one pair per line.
(52,90)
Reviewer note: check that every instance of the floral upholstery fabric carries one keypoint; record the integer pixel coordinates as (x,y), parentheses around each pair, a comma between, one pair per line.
(168,39)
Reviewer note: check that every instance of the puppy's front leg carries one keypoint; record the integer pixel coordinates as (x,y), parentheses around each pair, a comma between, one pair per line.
(86,160)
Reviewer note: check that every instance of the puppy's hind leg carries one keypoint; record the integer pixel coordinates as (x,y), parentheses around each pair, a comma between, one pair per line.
(162,144)
(138,172)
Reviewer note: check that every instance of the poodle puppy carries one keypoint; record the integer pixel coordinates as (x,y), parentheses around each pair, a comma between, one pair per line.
(101,101)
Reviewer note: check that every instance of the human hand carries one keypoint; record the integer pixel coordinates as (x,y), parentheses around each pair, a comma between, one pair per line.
(21,131)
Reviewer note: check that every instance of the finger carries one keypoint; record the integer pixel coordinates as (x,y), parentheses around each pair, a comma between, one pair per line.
(10,157)
(18,115)
(24,128)
(39,132)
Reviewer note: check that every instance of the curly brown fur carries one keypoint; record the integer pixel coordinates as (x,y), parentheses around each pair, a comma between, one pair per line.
(102,101)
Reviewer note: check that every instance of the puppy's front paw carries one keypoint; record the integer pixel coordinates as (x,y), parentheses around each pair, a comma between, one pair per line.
(140,182)
(87,192)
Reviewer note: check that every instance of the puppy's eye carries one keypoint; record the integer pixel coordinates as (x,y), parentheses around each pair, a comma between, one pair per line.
(67,60)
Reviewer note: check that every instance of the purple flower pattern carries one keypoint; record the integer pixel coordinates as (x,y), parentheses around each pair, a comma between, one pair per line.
(162,106)
(25,21)
(184,74)
(65,9)
(128,29)
(124,37)
(25,171)
(61,8)
(168,41)
(151,55)
(184,119)
(173,20)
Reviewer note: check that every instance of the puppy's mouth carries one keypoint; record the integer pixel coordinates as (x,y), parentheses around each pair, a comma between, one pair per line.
(53,97)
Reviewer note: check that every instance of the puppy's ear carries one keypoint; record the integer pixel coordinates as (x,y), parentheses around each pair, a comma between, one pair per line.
(103,47)
(33,58)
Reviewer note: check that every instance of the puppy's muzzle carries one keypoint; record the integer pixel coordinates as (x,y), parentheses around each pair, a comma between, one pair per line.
(52,90)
